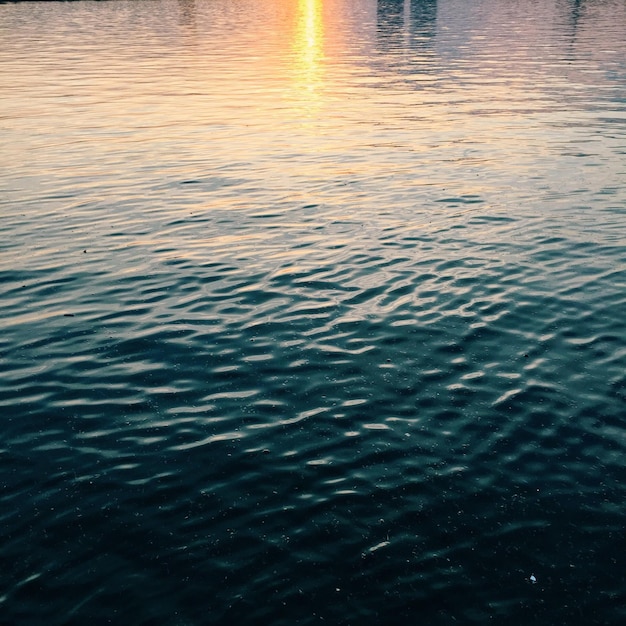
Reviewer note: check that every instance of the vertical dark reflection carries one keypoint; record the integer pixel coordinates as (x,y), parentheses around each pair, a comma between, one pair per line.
(576,7)
(390,16)
(406,34)
(423,17)
(573,12)
(406,22)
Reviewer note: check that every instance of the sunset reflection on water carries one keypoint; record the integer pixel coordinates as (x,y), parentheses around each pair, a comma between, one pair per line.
(312,310)
(308,51)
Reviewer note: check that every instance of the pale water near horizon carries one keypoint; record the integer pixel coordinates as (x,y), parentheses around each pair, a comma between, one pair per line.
(313,311)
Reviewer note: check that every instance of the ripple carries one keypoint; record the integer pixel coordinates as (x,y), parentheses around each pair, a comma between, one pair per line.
(327,336)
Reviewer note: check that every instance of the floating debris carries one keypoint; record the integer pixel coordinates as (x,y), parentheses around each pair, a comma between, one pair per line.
(532,579)
(378,546)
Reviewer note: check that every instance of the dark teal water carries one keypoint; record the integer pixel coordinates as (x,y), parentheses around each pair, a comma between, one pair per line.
(313,311)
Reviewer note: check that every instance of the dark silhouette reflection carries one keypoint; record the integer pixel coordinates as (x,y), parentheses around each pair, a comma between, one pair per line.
(405,23)
(576,9)
(573,12)
(406,34)
(390,15)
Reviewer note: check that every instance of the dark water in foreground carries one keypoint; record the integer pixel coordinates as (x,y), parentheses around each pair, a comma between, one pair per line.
(313,311)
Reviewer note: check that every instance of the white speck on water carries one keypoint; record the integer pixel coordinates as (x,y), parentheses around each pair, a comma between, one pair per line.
(532,579)
(378,546)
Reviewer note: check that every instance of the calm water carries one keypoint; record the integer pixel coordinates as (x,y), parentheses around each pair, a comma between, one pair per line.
(313,311)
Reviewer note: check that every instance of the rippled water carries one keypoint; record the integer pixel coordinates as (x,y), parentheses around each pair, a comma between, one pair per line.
(313,311)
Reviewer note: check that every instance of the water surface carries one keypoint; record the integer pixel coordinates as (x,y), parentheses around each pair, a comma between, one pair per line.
(313,312)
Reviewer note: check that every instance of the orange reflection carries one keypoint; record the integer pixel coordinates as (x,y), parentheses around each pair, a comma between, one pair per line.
(308,50)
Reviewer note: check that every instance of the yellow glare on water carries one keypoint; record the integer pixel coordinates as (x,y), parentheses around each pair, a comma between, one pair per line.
(308,49)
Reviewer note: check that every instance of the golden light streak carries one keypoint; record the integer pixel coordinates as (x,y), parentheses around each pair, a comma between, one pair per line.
(308,50)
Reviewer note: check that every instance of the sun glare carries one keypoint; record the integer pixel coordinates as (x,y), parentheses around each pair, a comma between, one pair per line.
(308,49)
